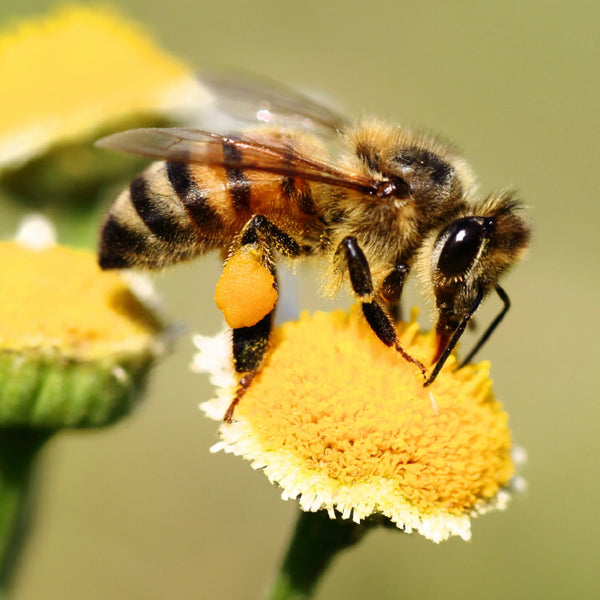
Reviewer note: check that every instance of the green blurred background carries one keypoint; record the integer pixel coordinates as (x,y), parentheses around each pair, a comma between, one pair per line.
(143,510)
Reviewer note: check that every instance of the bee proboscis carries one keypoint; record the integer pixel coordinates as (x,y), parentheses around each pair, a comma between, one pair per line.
(374,200)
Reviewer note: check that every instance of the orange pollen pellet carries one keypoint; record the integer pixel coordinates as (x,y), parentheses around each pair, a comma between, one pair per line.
(246,290)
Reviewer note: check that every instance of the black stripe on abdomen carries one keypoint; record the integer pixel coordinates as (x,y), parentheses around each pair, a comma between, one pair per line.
(120,246)
(156,219)
(198,208)
(239,185)
(301,195)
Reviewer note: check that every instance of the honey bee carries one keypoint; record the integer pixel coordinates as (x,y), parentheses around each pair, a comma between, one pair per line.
(376,201)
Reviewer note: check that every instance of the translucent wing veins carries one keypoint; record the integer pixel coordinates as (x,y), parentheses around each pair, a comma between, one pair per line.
(263,153)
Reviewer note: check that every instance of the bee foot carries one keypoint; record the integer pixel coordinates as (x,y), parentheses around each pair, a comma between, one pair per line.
(407,357)
(242,388)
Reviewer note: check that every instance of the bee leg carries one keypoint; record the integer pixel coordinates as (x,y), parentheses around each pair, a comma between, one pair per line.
(259,230)
(362,284)
(391,290)
(249,348)
(250,343)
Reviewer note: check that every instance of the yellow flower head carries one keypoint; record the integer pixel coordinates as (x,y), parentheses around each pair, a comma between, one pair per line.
(343,423)
(78,69)
(75,343)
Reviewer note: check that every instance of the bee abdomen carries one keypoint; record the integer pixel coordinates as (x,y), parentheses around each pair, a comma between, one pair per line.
(300,193)
(239,184)
(157,221)
(151,211)
(195,201)
(120,245)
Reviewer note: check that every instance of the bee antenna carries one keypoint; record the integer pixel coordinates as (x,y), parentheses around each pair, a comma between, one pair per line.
(488,332)
(456,336)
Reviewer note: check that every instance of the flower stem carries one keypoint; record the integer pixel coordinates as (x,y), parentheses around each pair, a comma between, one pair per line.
(315,542)
(18,449)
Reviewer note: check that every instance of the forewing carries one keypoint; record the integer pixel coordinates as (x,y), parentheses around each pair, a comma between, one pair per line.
(251,99)
(274,154)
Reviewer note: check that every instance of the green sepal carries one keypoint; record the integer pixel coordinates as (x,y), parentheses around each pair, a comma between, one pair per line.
(47,390)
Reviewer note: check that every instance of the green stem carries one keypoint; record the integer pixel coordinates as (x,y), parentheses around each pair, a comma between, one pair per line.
(315,542)
(18,449)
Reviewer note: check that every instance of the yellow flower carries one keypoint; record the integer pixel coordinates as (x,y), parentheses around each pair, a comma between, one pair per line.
(75,343)
(78,69)
(343,423)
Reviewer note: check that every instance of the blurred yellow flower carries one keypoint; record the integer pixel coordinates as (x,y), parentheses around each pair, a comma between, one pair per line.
(75,342)
(77,69)
(343,423)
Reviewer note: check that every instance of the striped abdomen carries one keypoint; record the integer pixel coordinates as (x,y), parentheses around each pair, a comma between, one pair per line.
(175,211)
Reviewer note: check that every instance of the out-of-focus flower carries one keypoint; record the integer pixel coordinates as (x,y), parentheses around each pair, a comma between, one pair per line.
(72,77)
(343,423)
(75,71)
(75,343)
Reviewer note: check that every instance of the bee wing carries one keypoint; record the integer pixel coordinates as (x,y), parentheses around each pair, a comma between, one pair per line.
(262,153)
(260,100)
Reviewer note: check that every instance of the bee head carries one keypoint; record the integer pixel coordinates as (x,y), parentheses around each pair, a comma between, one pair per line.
(470,254)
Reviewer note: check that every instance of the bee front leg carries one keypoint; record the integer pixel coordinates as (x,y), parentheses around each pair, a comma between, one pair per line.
(258,239)
(362,284)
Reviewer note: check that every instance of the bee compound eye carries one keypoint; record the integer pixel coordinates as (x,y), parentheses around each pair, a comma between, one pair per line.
(462,241)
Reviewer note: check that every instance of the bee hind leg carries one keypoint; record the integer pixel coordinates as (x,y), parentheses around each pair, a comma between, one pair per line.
(249,347)
(259,230)
(250,344)
(362,284)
